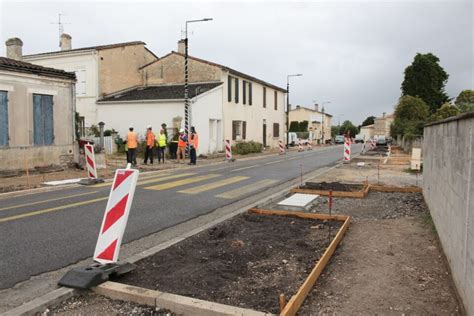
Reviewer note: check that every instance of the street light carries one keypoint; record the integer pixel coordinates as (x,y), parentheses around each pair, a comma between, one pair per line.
(288,107)
(186,98)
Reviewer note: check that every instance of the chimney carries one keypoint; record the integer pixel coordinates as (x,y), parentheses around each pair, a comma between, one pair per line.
(383,115)
(65,41)
(316,107)
(14,48)
(181,46)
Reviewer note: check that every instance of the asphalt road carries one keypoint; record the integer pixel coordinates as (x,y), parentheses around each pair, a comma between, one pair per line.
(50,230)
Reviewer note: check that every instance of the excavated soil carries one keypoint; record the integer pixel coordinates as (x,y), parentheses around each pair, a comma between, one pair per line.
(247,261)
(333,186)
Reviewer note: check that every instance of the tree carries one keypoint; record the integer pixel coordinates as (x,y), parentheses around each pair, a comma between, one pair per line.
(294,126)
(445,111)
(426,79)
(303,126)
(334,131)
(411,114)
(368,121)
(348,127)
(465,101)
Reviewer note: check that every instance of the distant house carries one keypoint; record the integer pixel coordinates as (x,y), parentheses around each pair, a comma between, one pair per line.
(36,112)
(100,70)
(367,132)
(319,122)
(382,125)
(251,108)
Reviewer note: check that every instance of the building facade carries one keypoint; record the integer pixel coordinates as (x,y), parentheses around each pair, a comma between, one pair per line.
(36,113)
(366,132)
(382,125)
(100,70)
(319,122)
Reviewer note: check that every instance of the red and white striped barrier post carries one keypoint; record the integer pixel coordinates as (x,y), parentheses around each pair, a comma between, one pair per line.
(116,216)
(309,146)
(300,146)
(281,145)
(110,236)
(228,150)
(90,161)
(347,150)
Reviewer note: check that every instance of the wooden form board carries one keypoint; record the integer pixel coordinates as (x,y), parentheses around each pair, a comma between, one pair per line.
(293,305)
(357,194)
(388,188)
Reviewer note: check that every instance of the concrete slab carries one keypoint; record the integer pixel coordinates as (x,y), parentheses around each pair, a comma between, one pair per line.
(299,200)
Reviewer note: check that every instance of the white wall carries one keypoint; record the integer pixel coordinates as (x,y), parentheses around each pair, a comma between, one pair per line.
(254,114)
(140,114)
(73,62)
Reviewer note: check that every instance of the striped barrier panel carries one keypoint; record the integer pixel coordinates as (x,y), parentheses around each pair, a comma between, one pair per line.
(228,149)
(90,161)
(347,150)
(282,147)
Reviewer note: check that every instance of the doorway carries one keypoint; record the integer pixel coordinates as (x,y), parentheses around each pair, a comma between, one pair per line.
(264,135)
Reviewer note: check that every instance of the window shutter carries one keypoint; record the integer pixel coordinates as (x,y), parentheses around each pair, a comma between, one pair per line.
(250,93)
(264,97)
(37,120)
(48,119)
(275,95)
(234,130)
(244,92)
(244,129)
(3,118)
(236,90)
(229,89)
(276,130)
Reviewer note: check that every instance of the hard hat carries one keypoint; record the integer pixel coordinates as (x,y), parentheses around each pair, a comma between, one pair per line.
(148,126)
(181,130)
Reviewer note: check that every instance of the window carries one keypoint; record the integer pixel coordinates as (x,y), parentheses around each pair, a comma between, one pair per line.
(229,89)
(244,130)
(275,99)
(264,97)
(81,82)
(276,130)
(236,90)
(43,119)
(244,92)
(239,130)
(3,118)
(250,93)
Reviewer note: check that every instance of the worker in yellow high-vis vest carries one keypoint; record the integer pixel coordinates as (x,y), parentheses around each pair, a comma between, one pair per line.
(161,145)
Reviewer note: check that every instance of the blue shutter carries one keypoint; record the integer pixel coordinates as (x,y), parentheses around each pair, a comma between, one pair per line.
(37,120)
(3,118)
(48,119)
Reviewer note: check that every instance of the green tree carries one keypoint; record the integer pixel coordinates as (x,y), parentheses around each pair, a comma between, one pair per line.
(334,131)
(445,111)
(348,127)
(426,79)
(411,114)
(368,121)
(303,126)
(294,126)
(465,101)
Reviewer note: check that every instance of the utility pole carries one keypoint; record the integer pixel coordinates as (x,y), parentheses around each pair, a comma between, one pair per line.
(288,107)
(186,79)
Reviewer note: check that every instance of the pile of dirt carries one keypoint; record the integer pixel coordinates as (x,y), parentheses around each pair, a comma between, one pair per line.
(377,205)
(247,261)
(333,186)
(93,304)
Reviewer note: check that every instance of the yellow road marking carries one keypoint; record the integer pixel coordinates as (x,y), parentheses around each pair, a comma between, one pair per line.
(157,178)
(178,183)
(232,194)
(294,158)
(52,209)
(276,161)
(45,201)
(213,185)
(244,168)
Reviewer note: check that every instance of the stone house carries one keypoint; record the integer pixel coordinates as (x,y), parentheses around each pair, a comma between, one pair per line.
(100,70)
(382,125)
(319,122)
(367,132)
(36,113)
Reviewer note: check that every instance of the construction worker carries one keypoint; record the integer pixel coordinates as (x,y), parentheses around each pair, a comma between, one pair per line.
(182,143)
(161,145)
(132,144)
(150,144)
(193,145)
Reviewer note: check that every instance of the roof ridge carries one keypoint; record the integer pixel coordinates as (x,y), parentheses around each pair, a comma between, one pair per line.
(22,66)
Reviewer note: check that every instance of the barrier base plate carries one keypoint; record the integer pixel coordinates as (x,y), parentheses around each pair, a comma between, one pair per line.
(91,181)
(86,277)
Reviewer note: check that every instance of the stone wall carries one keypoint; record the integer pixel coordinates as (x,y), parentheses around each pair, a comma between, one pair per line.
(448,188)
(18,158)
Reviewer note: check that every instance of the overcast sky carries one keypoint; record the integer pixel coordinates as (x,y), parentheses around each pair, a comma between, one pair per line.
(351,53)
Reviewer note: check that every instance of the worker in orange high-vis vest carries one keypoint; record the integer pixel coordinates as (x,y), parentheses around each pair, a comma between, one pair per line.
(193,145)
(132,144)
(150,144)
(182,143)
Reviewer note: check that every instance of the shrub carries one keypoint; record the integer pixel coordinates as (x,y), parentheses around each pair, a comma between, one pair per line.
(244,148)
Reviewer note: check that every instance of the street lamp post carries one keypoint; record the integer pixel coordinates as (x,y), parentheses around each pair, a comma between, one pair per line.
(288,107)
(186,79)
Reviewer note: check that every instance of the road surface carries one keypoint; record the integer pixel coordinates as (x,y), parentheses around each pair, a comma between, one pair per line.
(47,231)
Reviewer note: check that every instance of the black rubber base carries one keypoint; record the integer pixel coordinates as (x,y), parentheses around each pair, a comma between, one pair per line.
(90,181)
(86,277)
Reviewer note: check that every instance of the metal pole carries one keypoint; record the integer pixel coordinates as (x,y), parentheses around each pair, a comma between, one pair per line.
(186,99)
(288,112)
